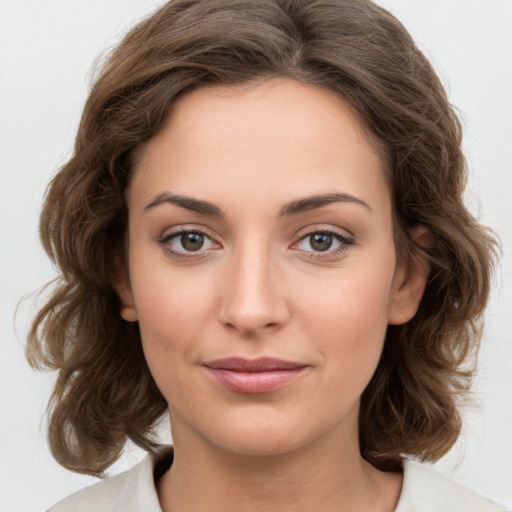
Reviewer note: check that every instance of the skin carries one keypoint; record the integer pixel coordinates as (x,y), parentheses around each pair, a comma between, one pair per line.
(259,287)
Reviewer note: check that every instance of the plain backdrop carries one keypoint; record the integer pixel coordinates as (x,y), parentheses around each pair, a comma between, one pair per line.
(47,51)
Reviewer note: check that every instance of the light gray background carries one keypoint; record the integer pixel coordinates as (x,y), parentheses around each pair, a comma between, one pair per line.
(47,50)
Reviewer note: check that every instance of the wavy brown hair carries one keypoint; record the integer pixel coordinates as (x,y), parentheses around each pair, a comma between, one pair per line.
(104,392)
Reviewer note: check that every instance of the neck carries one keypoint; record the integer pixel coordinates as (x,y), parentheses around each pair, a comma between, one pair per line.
(206,477)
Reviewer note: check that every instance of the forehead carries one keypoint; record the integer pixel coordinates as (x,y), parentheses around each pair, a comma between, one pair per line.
(272,136)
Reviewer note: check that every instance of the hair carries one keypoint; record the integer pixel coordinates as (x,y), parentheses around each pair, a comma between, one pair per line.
(104,393)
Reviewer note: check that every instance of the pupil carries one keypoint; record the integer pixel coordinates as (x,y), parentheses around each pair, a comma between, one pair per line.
(192,241)
(321,241)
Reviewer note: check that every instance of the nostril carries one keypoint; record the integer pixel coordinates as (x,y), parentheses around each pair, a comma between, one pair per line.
(250,299)
(249,324)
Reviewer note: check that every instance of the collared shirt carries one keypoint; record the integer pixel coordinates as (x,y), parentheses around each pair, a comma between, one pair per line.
(423,490)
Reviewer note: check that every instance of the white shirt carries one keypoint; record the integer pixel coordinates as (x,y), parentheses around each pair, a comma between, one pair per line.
(423,490)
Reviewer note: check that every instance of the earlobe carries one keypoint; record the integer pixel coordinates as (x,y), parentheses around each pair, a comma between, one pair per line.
(129,313)
(122,286)
(410,281)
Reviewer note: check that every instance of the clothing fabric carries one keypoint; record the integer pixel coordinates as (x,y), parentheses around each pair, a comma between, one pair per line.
(423,490)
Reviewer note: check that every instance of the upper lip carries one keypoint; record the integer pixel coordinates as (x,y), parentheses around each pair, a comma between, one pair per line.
(262,364)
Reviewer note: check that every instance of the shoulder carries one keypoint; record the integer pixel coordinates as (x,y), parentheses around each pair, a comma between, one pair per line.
(132,490)
(426,490)
(102,496)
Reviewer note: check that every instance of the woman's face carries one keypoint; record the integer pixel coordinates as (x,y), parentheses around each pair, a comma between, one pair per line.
(262,266)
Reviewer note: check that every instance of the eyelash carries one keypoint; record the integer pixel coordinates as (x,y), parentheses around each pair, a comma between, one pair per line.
(345,243)
(166,239)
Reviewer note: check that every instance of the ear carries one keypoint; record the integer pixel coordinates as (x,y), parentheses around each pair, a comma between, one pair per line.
(123,288)
(410,280)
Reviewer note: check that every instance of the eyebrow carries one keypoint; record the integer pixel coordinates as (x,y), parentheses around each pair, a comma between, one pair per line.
(293,208)
(189,203)
(311,203)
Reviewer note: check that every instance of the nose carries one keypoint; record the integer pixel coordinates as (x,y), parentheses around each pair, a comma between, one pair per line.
(253,297)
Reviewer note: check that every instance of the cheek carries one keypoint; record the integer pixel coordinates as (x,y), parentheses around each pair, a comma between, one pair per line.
(348,318)
(352,298)
(172,311)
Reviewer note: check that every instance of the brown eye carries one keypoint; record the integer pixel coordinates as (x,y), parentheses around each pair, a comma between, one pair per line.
(325,244)
(321,241)
(192,241)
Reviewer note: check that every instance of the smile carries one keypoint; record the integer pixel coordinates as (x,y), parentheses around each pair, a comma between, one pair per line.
(254,376)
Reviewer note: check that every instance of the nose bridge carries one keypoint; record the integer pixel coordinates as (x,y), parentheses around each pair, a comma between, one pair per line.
(252,297)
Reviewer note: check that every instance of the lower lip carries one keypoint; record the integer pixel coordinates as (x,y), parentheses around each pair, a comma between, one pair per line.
(255,382)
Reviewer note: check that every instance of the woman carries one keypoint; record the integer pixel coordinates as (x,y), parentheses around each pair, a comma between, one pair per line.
(261,231)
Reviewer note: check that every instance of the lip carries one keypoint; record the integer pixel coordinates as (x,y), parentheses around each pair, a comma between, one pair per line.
(253,376)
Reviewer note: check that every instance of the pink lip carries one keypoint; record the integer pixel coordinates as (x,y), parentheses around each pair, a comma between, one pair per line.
(254,376)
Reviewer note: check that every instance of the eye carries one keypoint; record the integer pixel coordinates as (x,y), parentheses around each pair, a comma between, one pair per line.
(320,241)
(191,241)
(323,243)
(185,243)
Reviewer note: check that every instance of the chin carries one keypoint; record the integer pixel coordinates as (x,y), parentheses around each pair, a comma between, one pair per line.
(270,444)
(265,433)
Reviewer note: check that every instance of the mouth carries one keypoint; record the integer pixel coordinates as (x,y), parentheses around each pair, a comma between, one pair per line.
(254,376)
